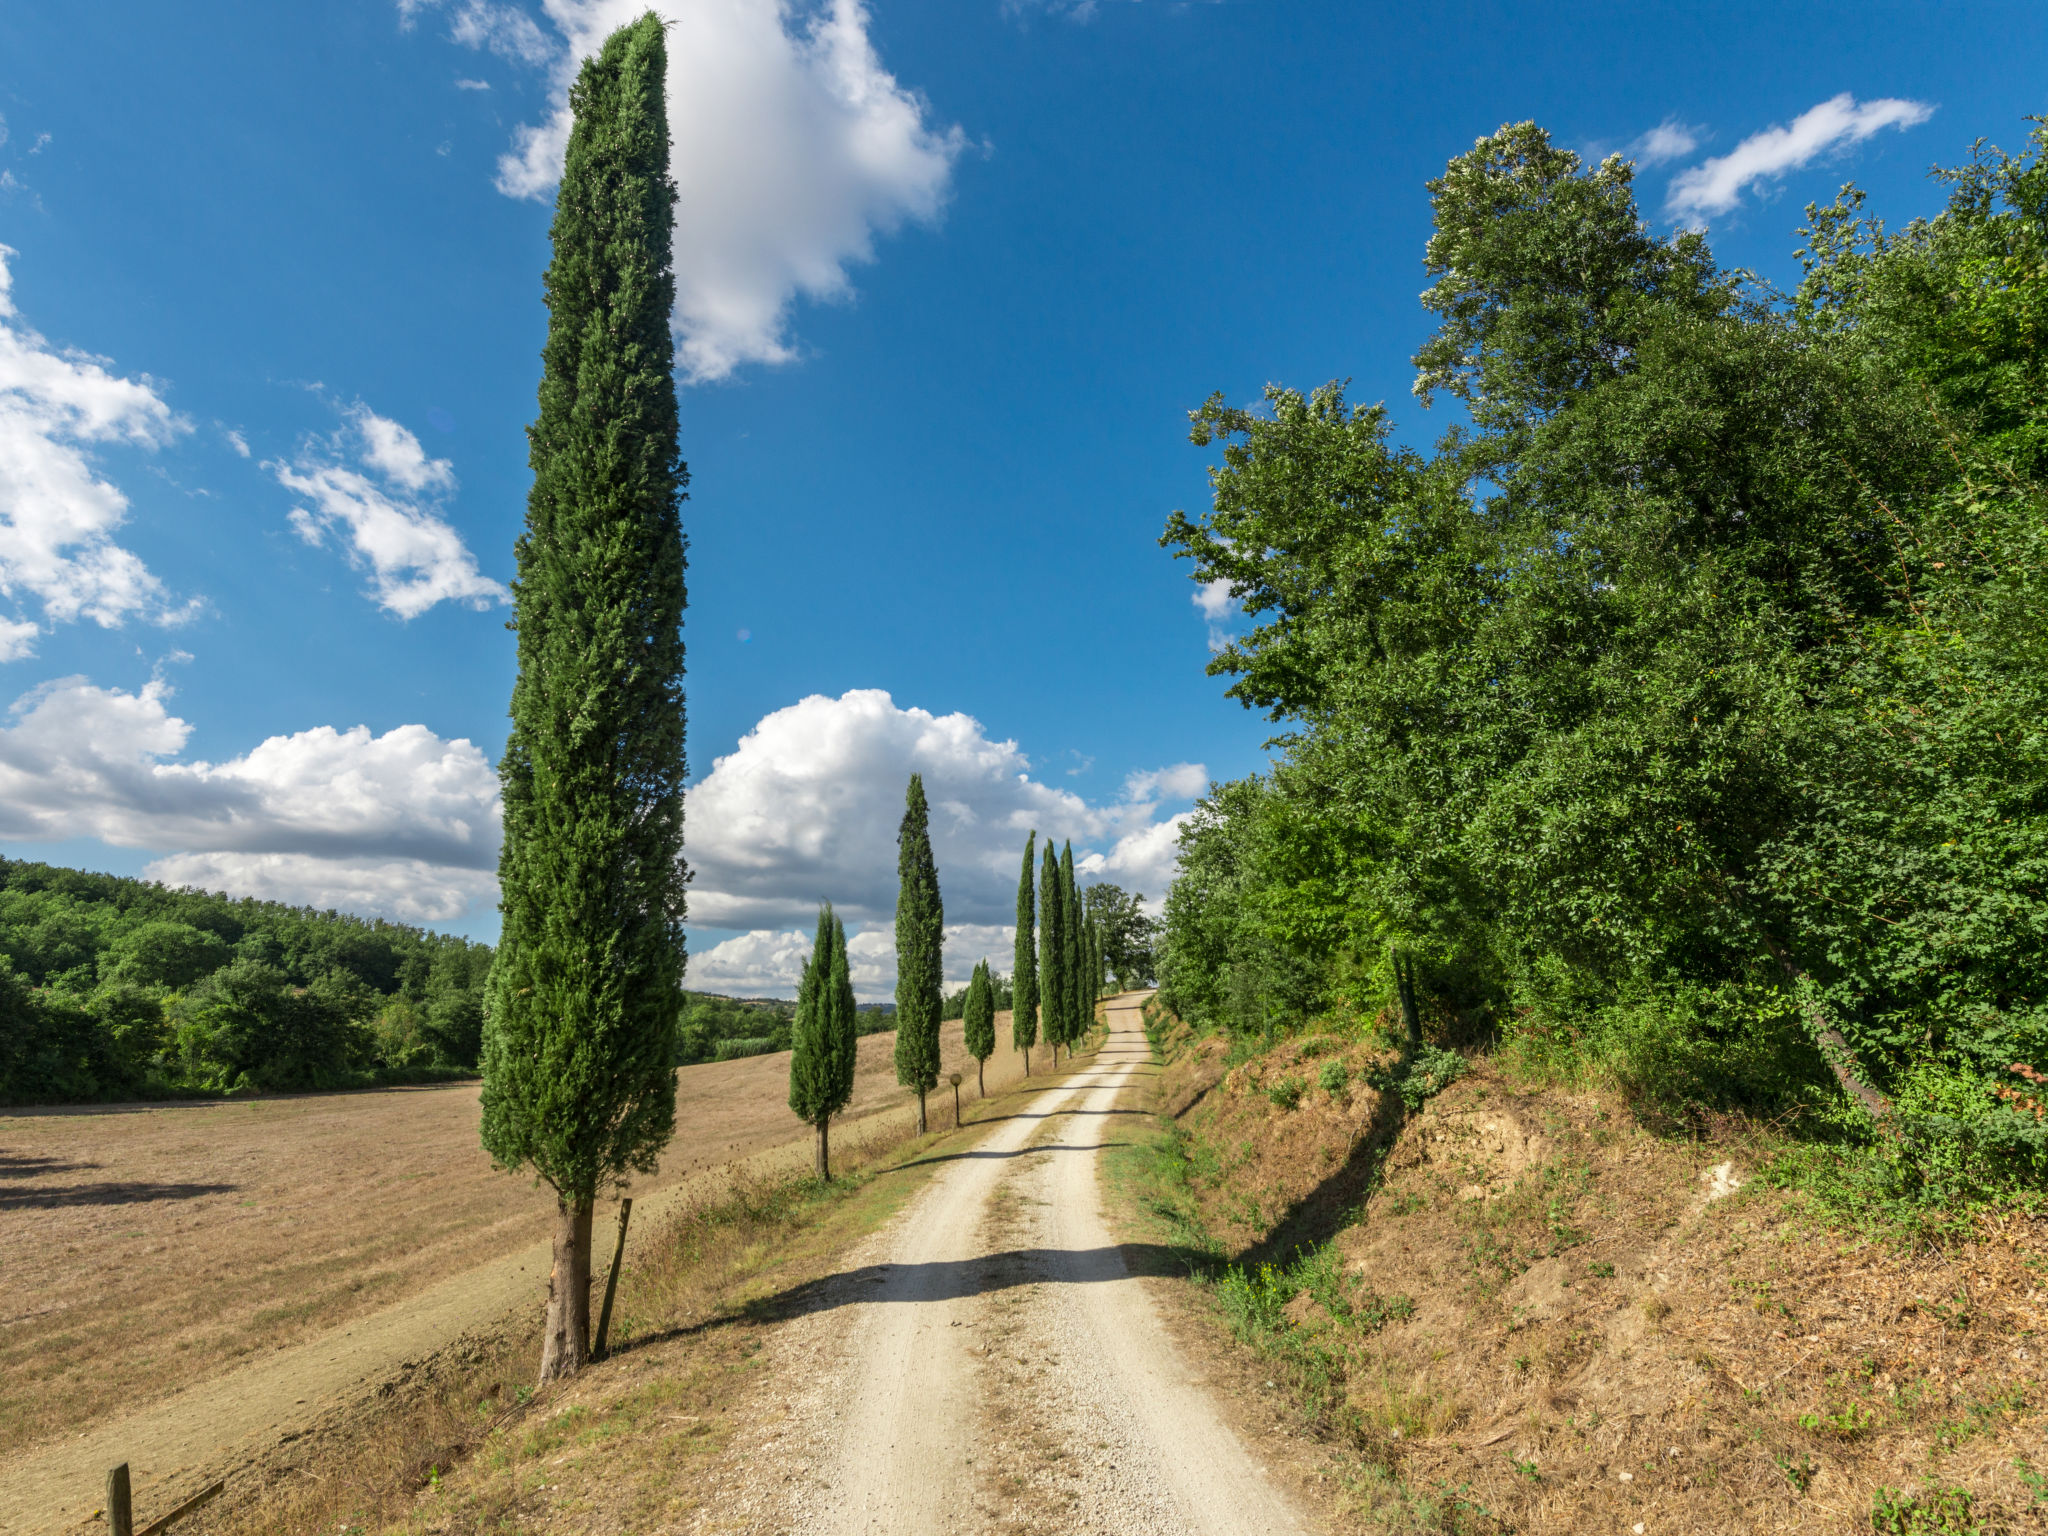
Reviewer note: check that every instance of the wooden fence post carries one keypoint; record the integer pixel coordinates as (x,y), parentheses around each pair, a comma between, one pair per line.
(120,1506)
(611,1283)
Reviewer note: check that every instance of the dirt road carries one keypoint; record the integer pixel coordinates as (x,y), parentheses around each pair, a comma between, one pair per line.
(195,1282)
(987,1363)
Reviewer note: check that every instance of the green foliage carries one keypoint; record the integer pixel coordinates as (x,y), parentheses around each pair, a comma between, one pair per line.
(978,1017)
(822,1037)
(1024,1008)
(110,992)
(703,1020)
(734,1047)
(1937,1509)
(1286,1092)
(1419,1076)
(920,929)
(579,1075)
(1055,993)
(1680,717)
(1334,1077)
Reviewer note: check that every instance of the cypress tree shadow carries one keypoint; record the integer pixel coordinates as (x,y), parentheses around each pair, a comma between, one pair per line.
(19,1166)
(127,1192)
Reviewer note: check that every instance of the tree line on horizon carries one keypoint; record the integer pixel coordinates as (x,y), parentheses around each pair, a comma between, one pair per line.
(118,988)
(1679,716)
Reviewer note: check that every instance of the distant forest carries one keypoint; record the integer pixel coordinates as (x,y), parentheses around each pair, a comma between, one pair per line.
(114,988)
(117,988)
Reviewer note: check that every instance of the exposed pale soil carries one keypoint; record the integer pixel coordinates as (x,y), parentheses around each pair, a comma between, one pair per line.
(190,1280)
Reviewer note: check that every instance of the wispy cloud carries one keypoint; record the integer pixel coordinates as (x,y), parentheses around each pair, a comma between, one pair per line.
(1716,186)
(373,484)
(1669,140)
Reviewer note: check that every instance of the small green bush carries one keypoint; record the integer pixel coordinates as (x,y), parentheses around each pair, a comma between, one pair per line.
(1287,1092)
(1335,1077)
(732,1050)
(1938,1509)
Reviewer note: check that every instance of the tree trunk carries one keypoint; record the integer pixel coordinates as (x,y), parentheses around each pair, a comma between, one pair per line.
(1027,1061)
(980,1086)
(565,1346)
(1837,1052)
(921,1125)
(1404,981)
(825,1150)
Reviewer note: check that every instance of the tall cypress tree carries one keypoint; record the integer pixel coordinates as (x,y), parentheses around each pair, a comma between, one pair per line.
(1052,951)
(820,1076)
(1024,983)
(844,1014)
(1078,1010)
(920,928)
(578,1060)
(978,1023)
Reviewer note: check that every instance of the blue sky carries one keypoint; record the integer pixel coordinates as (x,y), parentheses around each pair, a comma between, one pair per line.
(953,274)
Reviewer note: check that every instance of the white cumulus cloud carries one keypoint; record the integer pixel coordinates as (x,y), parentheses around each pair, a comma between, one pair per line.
(385,506)
(1715,186)
(769,962)
(806,809)
(404,824)
(793,148)
(57,514)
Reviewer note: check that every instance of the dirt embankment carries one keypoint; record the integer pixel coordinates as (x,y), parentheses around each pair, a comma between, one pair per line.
(156,1250)
(1530,1313)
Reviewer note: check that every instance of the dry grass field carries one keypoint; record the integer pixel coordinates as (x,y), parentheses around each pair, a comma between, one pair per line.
(149,1247)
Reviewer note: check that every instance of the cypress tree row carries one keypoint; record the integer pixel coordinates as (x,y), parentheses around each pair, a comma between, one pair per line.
(978,1022)
(822,1036)
(920,926)
(1024,973)
(1052,951)
(579,1080)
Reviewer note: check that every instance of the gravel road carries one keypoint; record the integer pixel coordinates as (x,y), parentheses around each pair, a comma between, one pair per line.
(986,1363)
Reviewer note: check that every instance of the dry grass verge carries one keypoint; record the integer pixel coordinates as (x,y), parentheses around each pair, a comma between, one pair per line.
(1516,1309)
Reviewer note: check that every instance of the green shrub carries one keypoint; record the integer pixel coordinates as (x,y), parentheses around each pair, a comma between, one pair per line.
(731,1050)
(1334,1077)
(1938,1509)
(1287,1092)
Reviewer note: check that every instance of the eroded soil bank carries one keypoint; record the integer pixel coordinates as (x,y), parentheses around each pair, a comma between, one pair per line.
(1514,1308)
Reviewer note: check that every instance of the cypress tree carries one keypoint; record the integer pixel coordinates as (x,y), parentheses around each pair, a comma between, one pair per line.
(920,928)
(1078,1010)
(820,1079)
(578,1059)
(844,1012)
(1024,982)
(1052,951)
(978,1023)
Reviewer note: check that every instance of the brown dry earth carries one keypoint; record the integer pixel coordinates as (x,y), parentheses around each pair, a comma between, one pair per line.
(988,1363)
(187,1281)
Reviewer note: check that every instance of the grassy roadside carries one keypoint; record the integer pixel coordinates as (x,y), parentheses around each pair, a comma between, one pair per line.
(1528,1312)
(461,1444)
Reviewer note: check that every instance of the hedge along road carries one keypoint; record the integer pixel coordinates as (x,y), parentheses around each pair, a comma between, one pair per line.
(896,1356)
(82,1185)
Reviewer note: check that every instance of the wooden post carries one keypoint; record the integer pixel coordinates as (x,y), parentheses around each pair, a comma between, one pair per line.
(955,1081)
(120,1507)
(611,1281)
